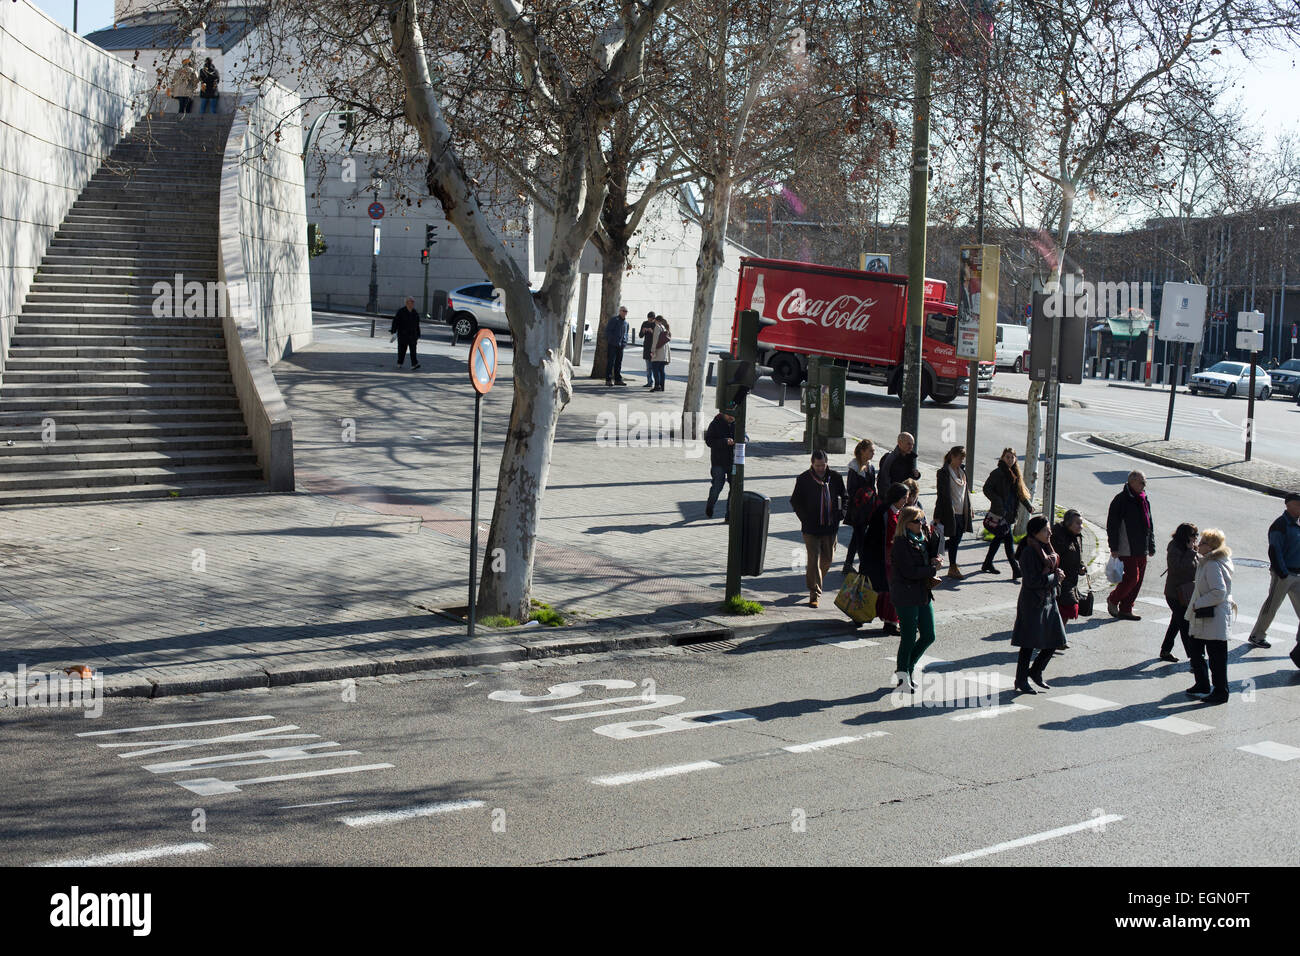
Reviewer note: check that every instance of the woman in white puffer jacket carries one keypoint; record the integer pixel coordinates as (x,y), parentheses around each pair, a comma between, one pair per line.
(1210,613)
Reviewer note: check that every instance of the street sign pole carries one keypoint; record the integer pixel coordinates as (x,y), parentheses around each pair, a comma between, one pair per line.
(736,507)
(1250,407)
(1173,390)
(473,512)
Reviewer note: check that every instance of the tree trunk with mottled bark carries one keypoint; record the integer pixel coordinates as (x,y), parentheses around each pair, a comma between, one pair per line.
(708,269)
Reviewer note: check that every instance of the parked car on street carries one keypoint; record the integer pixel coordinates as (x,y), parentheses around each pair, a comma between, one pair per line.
(475,307)
(1286,378)
(1230,379)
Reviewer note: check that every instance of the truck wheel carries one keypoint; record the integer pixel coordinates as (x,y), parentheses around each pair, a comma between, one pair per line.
(786,369)
(464,325)
(943,399)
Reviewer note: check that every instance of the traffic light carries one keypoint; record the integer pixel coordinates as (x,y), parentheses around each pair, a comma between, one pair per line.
(737,376)
(424,256)
(430,236)
(750,323)
(347,122)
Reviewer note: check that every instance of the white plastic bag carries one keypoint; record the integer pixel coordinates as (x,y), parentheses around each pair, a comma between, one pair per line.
(1114,570)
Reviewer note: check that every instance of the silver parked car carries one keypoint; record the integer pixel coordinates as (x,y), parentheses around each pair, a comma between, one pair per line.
(1230,379)
(477,306)
(1286,378)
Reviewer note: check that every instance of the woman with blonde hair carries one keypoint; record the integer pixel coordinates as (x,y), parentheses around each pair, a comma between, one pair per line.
(1209,614)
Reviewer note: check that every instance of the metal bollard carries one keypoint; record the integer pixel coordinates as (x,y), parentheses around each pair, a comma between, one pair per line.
(372,328)
(709,378)
(783,394)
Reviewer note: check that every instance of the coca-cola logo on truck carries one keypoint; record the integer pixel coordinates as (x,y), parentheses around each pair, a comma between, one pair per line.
(842,312)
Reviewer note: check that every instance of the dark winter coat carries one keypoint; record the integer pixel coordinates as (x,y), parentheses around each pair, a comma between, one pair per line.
(943,506)
(1038,619)
(911,571)
(896,468)
(1180,572)
(721,455)
(807,499)
(208,80)
(1128,517)
(1070,549)
(616,332)
(1000,490)
(406,323)
(647,336)
(864,480)
(873,558)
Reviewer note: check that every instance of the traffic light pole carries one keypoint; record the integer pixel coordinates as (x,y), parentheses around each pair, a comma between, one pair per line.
(736,378)
(736,507)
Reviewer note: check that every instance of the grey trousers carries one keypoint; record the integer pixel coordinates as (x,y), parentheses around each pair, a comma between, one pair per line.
(1278,590)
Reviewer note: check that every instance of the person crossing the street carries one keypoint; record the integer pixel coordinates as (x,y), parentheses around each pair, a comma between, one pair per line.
(1038,618)
(1131,536)
(1005,489)
(1284,573)
(912,568)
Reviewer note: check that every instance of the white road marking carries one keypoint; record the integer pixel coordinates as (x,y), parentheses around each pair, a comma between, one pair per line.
(273,755)
(1281,628)
(981,712)
(131,856)
(192,723)
(925,661)
(848,643)
(322,803)
(1176,725)
(410,813)
(1083,702)
(832,742)
(618,779)
(1092,824)
(992,679)
(1273,750)
(207,786)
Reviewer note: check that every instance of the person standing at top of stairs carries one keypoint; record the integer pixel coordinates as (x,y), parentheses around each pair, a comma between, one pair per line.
(185,83)
(208,80)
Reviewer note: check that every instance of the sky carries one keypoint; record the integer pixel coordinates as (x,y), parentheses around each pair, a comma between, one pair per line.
(1267,86)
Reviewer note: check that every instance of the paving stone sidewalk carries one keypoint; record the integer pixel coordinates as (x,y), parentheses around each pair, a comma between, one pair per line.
(355,573)
(1205,459)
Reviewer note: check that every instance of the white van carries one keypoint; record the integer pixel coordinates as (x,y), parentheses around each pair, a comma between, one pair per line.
(1013,342)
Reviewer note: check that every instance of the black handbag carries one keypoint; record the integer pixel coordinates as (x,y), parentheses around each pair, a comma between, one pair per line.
(1205,611)
(1085,601)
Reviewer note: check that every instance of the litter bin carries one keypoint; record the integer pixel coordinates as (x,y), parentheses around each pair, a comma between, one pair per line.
(754,512)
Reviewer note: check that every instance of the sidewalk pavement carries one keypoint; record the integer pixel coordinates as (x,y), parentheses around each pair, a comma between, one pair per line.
(1204,459)
(360,572)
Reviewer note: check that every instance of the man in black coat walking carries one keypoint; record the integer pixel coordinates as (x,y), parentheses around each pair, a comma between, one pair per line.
(720,436)
(615,337)
(406,326)
(1132,539)
(818,501)
(898,465)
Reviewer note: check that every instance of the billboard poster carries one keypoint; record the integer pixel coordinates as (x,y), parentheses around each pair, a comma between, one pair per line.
(977,302)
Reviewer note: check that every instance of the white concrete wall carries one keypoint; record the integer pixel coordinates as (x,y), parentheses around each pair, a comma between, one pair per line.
(64,104)
(272,217)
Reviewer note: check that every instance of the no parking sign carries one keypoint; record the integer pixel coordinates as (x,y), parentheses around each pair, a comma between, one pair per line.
(483,361)
(482,374)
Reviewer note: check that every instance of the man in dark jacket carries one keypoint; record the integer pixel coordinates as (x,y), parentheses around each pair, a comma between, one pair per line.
(818,501)
(615,337)
(1284,572)
(899,465)
(647,336)
(1132,539)
(208,80)
(721,439)
(406,326)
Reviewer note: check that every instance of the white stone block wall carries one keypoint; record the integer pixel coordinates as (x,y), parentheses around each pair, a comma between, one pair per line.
(272,220)
(64,104)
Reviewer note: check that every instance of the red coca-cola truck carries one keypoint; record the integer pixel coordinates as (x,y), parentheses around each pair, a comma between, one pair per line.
(857,318)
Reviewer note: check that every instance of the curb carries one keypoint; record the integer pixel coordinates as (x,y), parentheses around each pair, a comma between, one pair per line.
(1065,402)
(1178,465)
(589,640)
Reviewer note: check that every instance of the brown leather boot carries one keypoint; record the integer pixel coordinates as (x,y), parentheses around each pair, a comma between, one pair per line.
(954,572)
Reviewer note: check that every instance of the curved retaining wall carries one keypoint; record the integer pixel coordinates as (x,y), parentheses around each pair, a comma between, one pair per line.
(64,104)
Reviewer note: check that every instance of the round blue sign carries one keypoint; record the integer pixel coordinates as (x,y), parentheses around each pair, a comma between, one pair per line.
(376,210)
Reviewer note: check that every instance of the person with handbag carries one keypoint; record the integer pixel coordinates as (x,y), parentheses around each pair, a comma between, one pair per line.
(1067,542)
(912,567)
(1038,618)
(661,354)
(1180,582)
(1209,614)
(818,502)
(1006,492)
(876,558)
(1131,536)
(952,509)
(862,502)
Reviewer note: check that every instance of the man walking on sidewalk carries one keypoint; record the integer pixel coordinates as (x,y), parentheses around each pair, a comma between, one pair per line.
(818,502)
(1284,571)
(615,337)
(720,436)
(899,465)
(406,326)
(1132,539)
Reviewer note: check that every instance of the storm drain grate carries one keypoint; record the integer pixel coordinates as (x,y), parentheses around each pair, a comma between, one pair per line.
(706,646)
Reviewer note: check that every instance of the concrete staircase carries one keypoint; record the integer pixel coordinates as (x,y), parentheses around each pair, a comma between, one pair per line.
(99,397)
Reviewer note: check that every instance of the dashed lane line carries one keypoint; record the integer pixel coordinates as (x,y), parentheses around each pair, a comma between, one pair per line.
(1083,702)
(981,713)
(1176,725)
(1273,750)
(131,856)
(410,813)
(1096,823)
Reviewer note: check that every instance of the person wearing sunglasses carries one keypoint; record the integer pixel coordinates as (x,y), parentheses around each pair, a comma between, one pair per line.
(912,568)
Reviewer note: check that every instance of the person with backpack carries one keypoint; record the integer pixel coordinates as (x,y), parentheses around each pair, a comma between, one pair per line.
(862,502)
(952,509)
(818,503)
(1007,494)
(1038,618)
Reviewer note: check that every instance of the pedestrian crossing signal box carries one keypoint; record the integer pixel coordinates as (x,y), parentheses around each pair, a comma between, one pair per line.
(755,511)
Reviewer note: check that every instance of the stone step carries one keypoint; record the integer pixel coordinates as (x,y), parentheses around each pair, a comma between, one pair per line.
(110,281)
(152,374)
(90,226)
(95,422)
(114,275)
(74,298)
(156,241)
(123,357)
(120,448)
(87,391)
(29,335)
(157,489)
(140,215)
(38,458)
(143,207)
(63,433)
(47,406)
(95,323)
(133,261)
(91,479)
